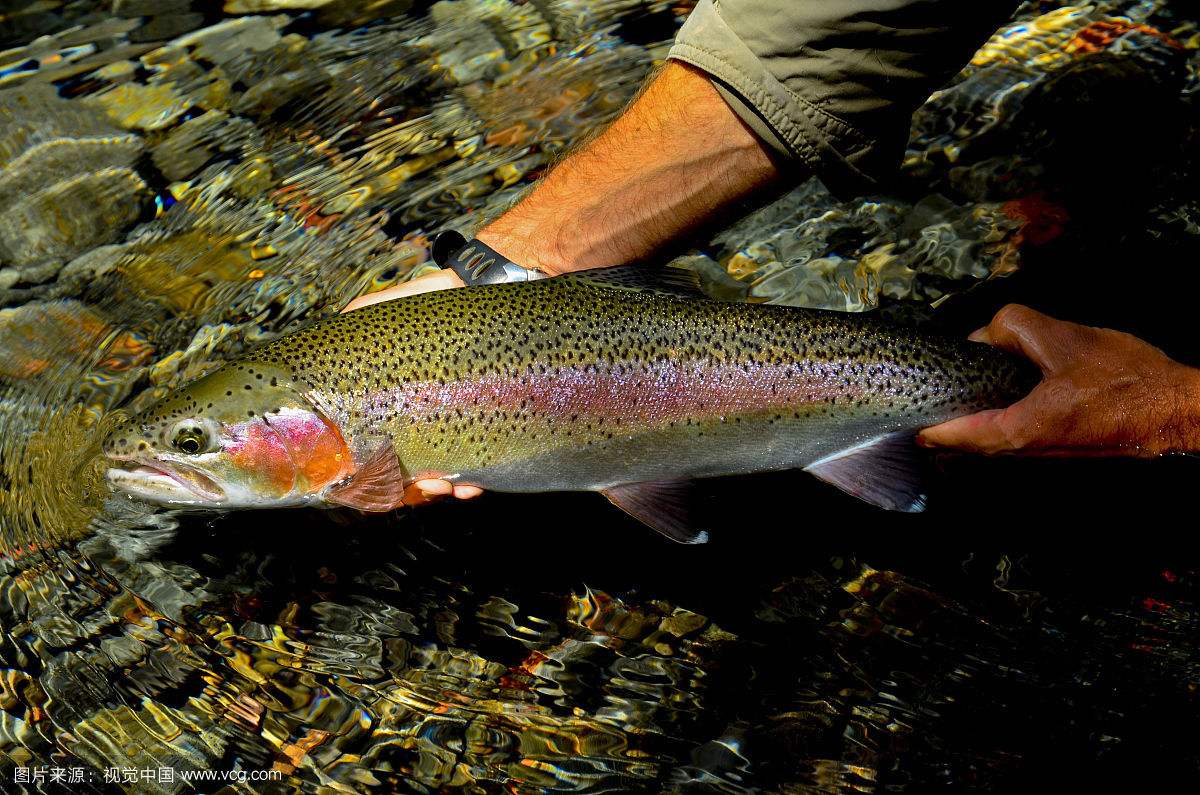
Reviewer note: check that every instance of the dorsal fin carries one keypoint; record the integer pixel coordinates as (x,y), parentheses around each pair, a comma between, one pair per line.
(665,279)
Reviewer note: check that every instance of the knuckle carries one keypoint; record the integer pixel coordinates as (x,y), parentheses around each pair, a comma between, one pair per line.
(1011,315)
(1013,432)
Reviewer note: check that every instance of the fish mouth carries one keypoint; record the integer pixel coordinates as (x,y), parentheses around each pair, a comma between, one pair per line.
(174,485)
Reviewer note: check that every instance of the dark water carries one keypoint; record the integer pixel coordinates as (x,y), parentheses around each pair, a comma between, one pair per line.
(181,180)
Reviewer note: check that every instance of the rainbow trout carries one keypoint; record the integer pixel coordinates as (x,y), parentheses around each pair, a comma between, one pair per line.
(609,381)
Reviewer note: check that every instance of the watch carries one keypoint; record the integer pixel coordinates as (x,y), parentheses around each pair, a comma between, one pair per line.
(477,263)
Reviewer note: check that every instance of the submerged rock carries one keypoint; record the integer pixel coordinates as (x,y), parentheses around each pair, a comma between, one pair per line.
(67,181)
(70,215)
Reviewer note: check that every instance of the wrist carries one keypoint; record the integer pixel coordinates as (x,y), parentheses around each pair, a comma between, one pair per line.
(474,262)
(529,242)
(515,247)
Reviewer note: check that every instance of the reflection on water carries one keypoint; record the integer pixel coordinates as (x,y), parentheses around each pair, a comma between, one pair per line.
(181,181)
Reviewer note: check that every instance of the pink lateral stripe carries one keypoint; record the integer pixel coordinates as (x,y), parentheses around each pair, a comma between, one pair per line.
(645,393)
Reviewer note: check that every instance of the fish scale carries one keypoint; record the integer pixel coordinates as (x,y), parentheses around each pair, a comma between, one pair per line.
(575,384)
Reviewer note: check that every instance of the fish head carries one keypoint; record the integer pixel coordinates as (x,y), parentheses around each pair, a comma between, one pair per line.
(245,436)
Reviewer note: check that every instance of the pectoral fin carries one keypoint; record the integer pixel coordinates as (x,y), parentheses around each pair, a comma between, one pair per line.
(661,505)
(376,486)
(884,471)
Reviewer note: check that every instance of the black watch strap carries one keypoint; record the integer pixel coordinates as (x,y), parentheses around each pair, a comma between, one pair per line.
(477,263)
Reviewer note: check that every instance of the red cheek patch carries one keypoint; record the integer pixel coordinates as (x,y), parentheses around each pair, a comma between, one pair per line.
(256,449)
(320,454)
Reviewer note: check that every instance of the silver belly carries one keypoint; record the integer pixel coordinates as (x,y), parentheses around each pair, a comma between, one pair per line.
(728,449)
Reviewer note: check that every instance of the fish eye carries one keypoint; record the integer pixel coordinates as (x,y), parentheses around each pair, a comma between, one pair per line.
(190,439)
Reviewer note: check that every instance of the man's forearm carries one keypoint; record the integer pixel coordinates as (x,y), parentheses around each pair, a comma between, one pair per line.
(673,160)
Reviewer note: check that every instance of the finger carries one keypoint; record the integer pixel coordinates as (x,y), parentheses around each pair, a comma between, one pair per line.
(423,492)
(434,487)
(984,432)
(439,280)
(414,496)
(1026,331)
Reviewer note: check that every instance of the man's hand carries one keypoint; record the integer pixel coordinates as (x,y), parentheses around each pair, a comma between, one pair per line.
(420,492)
(1103,393)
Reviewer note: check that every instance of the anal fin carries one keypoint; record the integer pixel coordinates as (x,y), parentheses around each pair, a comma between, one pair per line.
(884,471)
(661,505)
(376,486)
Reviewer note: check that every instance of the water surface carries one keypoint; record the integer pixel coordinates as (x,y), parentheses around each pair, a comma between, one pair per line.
(180,181)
